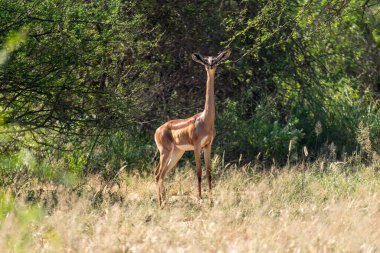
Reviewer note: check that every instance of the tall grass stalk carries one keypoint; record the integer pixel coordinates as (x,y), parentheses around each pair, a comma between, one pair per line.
(319,206)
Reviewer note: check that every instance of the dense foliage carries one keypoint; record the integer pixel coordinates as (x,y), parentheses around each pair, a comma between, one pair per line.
(85,83)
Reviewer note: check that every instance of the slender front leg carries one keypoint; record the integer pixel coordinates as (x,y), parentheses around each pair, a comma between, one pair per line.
(207,156)
(197,154)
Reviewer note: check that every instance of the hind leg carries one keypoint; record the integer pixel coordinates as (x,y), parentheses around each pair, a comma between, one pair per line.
(175,155)
(164,160)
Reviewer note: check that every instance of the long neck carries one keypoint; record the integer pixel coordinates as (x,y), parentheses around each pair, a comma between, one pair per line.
(210,99)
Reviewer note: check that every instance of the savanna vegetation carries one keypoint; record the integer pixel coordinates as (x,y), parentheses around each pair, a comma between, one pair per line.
(84,85)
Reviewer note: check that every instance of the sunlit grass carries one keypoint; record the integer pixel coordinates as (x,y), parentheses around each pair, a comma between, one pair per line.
(296,209)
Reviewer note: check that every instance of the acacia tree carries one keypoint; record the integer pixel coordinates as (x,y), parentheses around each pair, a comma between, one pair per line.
(83,68)
(313,59)
(117,68)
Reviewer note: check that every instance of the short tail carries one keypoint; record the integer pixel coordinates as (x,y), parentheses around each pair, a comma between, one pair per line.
(154,159)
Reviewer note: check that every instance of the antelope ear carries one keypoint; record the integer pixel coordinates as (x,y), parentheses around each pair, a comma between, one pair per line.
(223,56)
(198,58)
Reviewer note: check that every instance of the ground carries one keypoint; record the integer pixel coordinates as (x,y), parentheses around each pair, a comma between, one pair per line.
(317,207)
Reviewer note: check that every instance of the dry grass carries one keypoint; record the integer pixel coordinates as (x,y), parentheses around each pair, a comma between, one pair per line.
(291,210)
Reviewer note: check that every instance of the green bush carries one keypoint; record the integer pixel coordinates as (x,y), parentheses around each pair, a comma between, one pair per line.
(265,132)
(132,149)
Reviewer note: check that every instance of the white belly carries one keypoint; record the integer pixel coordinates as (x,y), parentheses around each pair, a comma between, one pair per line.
(185,147)
(188,147)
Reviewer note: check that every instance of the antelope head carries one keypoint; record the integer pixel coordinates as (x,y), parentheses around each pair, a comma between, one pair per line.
(210,62)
